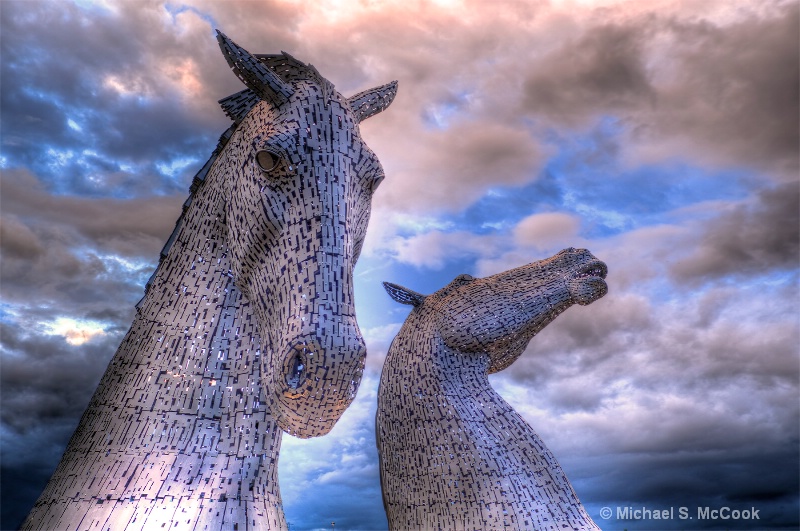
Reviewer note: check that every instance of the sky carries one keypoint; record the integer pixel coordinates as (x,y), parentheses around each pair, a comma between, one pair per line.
(660,135)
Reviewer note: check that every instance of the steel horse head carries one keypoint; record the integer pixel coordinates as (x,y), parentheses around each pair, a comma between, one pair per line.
(247,327)
(453,454)
(297,202)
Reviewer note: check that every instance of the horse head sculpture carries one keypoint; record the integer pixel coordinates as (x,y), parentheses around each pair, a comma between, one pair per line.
(297,206)
(453,454)
(247,328)
(500,314)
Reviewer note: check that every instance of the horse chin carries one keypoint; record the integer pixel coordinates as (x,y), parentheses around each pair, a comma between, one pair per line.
(290,416)
(586,290)
(304,428)
(314,386)
(502,358)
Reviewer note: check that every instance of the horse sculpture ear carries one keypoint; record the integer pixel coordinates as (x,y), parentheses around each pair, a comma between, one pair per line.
(372,101)
(256,75)
(403,295)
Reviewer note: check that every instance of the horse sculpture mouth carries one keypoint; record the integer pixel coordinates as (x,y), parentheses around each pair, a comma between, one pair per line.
(595,268)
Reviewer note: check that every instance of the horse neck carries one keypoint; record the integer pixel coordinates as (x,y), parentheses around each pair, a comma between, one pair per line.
(449,443)
(180,414)
(425,380)
(420,370)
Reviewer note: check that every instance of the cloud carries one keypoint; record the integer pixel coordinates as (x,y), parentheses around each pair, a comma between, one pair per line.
(75,332)
(97,119)
(732,97)
(450,169)
(18,240)
(750,237)
(46,378)
(128,227)
(602,71)
(546,230)
(661,136)
(719,90)
(71,249)
(435,248)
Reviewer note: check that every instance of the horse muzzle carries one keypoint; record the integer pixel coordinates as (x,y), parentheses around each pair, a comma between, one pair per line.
(316,378)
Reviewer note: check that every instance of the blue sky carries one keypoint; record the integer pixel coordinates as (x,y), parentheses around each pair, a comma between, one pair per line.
(660,135)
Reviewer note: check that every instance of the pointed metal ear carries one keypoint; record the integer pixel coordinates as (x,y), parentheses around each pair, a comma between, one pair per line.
(236,106)
(256,75)
(372,101)
(404,295)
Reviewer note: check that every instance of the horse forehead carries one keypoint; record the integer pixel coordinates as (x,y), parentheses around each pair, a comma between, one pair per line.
(463,298)
(310,100)
(494,292)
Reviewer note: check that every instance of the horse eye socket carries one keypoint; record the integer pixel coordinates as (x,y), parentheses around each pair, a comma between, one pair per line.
(267,160)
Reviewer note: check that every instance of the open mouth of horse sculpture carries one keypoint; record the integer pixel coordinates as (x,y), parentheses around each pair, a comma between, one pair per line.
(594,269)
(588,284)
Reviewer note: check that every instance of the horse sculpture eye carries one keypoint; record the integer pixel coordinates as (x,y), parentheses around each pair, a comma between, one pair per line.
(267,160)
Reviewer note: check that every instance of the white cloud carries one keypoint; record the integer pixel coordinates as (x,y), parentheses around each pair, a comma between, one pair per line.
(435,248)
(546,230)
(75,331)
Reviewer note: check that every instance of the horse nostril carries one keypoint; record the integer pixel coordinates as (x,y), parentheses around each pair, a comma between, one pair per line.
(296,374)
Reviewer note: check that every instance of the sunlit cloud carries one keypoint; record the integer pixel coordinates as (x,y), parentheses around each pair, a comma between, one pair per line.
(75,331)
(175,166)
(184,74)
(59,158)
(102,5)
(126,87)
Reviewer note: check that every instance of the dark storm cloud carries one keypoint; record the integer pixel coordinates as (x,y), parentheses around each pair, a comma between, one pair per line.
(45,379)
(117,96)
(750,238)
(602,71)
(725,93)
(45,386)
(753,480)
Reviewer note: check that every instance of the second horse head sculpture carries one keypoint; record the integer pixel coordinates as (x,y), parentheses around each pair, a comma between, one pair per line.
(454,454)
